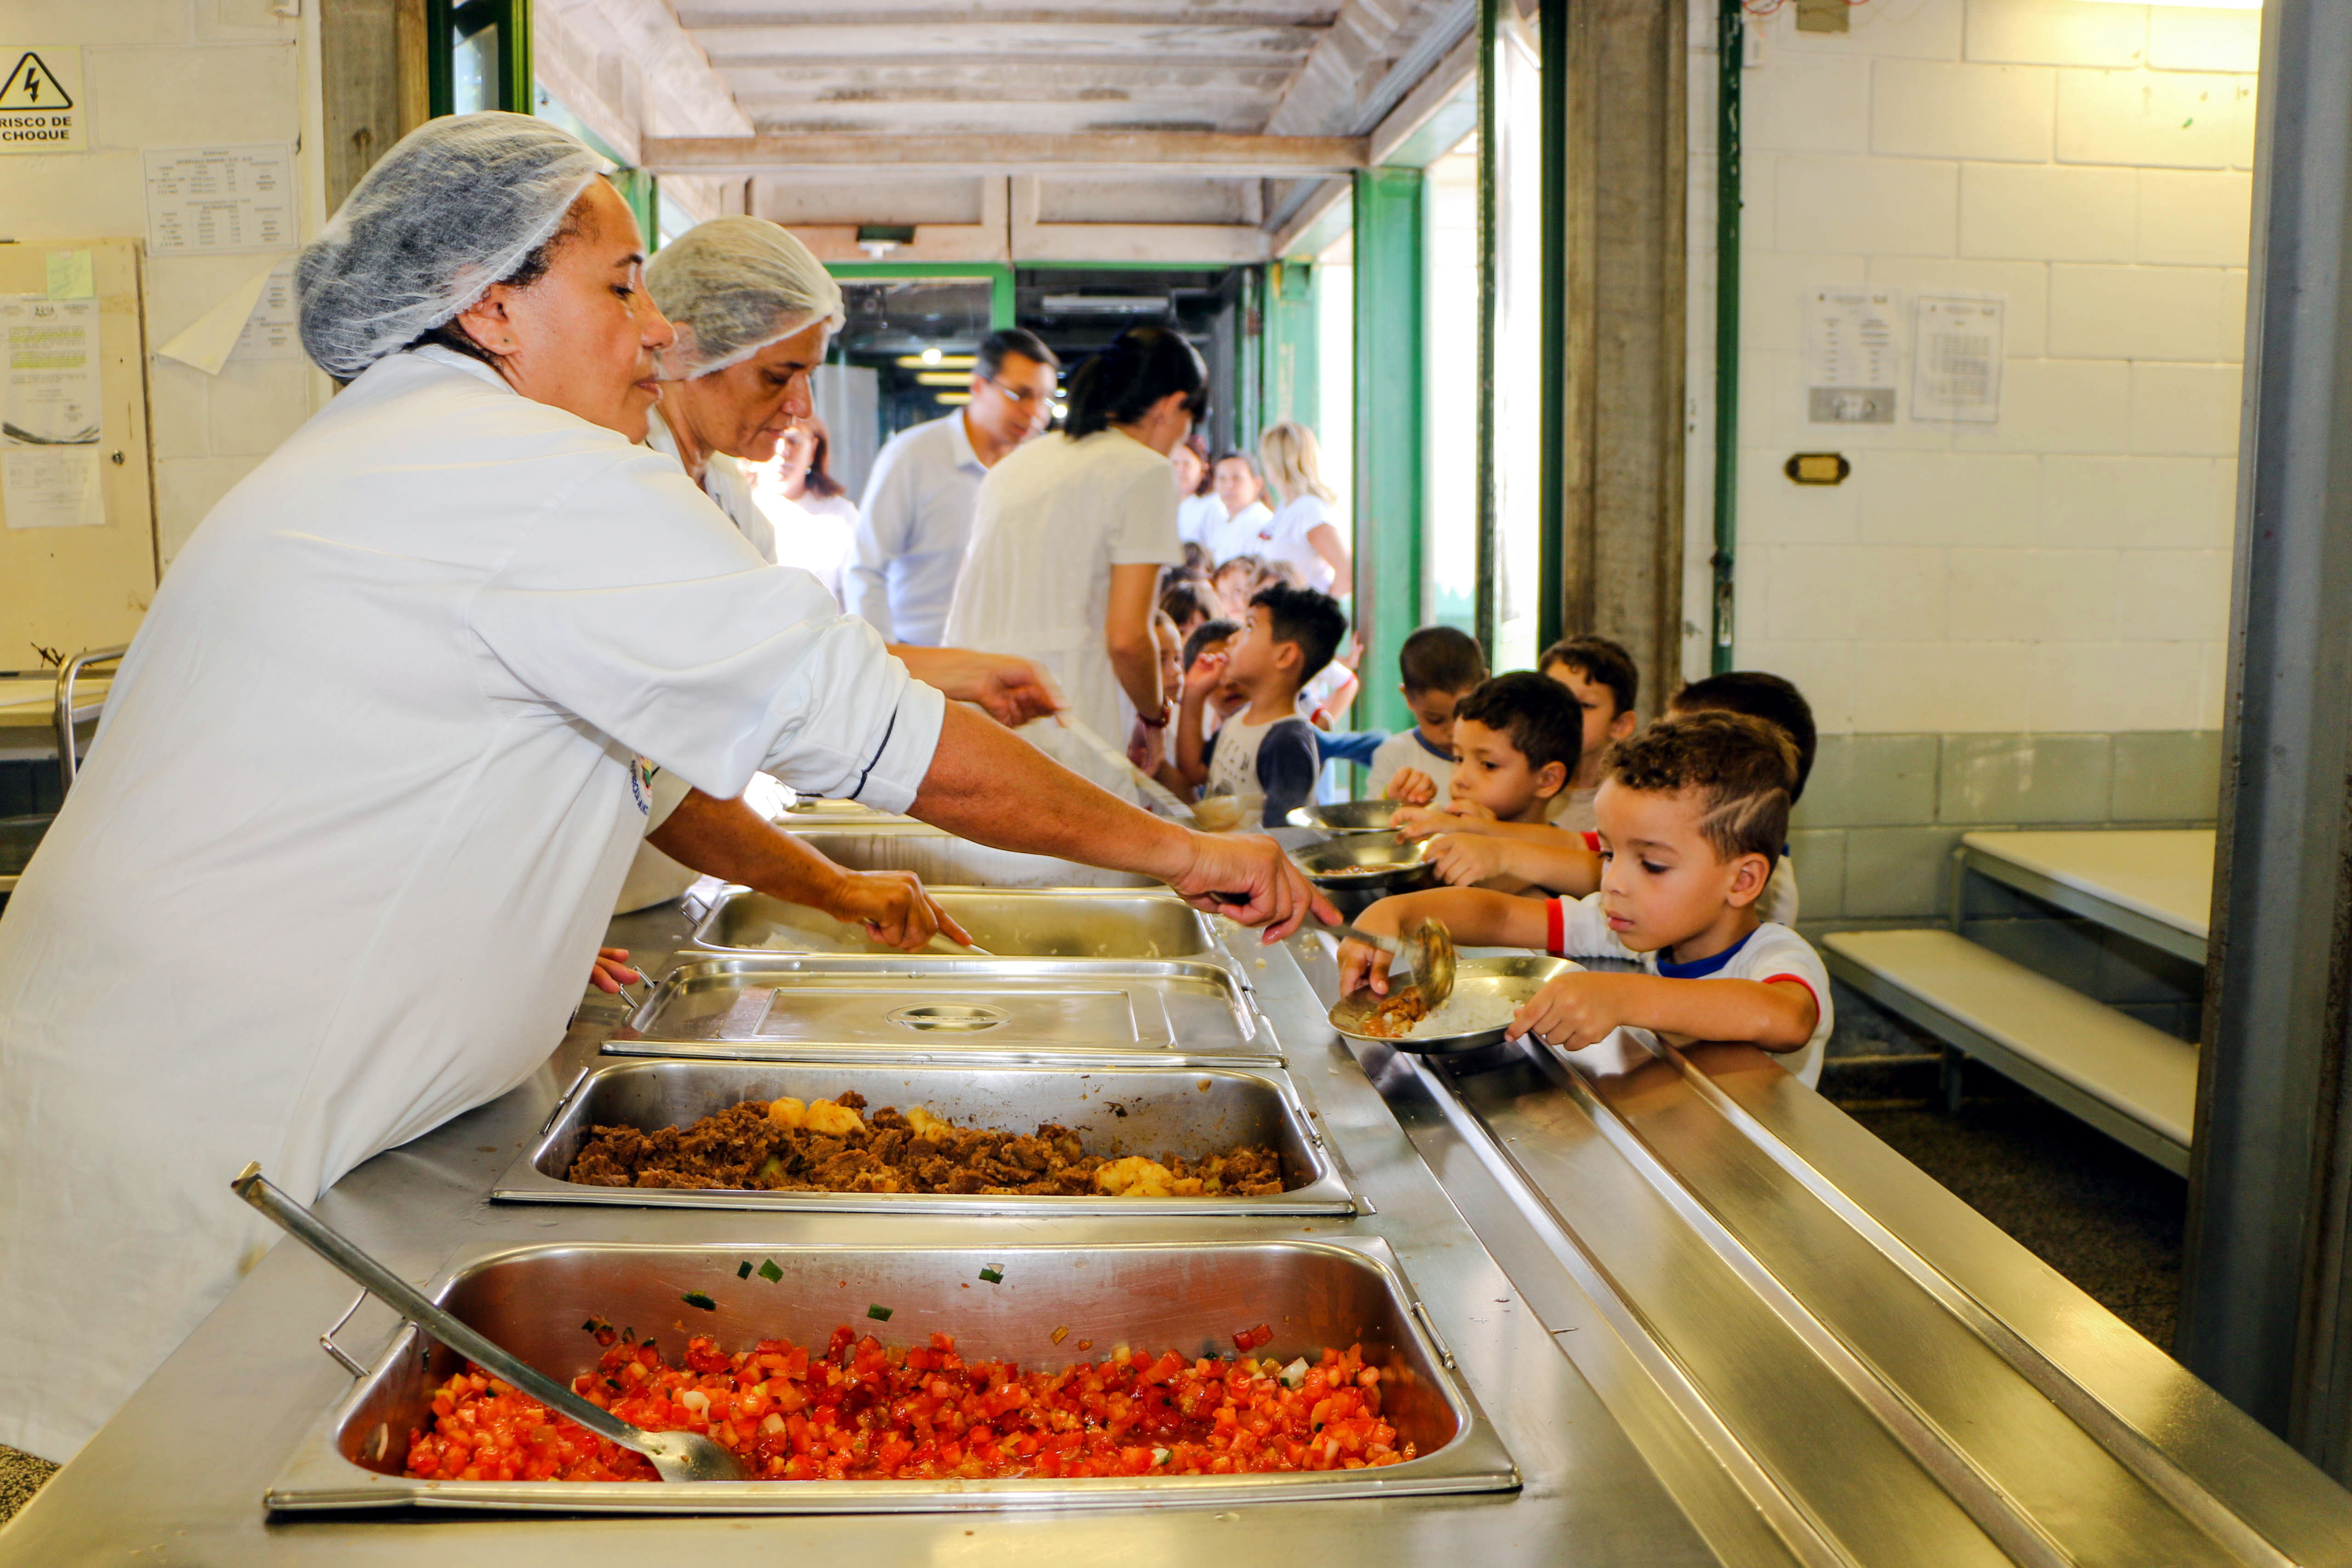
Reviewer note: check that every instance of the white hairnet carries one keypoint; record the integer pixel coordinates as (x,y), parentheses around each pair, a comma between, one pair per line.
(455,205)
(733,286)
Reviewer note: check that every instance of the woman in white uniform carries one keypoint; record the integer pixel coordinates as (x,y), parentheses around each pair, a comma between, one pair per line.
(364,788)
(1240,493)
(828,517)
(1197,506)
(1304,531)
(1071,530)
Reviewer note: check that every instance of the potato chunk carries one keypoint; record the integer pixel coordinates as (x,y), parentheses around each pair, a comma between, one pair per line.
(787,1112)
(924,1124)
(1136,1176)
(833,1120)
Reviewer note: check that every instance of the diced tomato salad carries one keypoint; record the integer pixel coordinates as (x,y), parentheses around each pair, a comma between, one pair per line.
(862,1411)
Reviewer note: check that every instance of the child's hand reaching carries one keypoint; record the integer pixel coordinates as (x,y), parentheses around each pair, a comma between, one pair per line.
(1206,672)
(1465,860)
(1413,786)
(1419,821)
(1575,1010)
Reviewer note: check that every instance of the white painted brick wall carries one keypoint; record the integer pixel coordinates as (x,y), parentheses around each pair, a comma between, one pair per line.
(2067,570)
(176,73)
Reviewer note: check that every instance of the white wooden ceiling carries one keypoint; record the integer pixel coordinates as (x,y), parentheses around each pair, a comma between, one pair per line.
(1023,129)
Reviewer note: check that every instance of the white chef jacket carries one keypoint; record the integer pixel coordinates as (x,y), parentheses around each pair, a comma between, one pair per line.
(1283,536)
(1054,517)
(724,481)
(1227,537)
(351,827)
(912,529)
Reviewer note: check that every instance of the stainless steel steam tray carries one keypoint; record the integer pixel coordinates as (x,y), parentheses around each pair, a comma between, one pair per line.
(1061,922)
(1189,1296)
(1191,1109)
(782,1008)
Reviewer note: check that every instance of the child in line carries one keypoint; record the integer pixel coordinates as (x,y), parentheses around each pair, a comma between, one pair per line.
(1436,668)
(1147,745)
(1603,679)
(1515,739)
(1190,602)
(1267,749)
(1693,814)
(1483,853)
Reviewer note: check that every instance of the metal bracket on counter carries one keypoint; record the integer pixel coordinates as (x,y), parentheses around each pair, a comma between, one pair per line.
(1428,1326)
(327,1341)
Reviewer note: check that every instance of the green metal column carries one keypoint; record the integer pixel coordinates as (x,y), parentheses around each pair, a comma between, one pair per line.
(1290,376)
(1390,271)
(641,189)
(1731,47)
(1551,547)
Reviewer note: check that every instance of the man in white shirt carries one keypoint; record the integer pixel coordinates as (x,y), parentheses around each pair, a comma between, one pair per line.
(916,520)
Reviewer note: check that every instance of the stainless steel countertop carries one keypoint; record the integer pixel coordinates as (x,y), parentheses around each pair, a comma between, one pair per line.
(1712,1319)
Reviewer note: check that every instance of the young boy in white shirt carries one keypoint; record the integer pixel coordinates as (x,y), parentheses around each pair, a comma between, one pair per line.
(1693,814)
(1514,740)
(1266,749)
(1603,679)
(1438,666)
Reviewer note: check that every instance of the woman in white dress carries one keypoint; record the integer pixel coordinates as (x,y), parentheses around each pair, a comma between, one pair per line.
(803,478)
(1072,529)
(1304,531)
(1197,507)
(378,735)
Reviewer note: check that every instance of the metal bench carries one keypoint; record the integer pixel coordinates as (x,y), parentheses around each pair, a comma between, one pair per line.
(2134,1082)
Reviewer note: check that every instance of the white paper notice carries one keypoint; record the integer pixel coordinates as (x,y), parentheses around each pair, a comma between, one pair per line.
(214,201)
(1957,374)
(269,333)
(1852,354)
(50,433)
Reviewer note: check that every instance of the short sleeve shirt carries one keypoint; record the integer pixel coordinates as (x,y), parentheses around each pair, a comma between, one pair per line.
(1768,954)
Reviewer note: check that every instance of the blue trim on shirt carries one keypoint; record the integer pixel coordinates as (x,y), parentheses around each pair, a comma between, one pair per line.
(1700,968)
(1423,740)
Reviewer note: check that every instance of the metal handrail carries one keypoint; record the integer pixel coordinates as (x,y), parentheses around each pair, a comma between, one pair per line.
(67,673)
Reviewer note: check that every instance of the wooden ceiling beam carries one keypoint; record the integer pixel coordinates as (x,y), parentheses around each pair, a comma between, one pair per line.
(1142,152)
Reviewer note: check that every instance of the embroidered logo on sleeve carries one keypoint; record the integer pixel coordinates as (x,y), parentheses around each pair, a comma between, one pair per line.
(641,785)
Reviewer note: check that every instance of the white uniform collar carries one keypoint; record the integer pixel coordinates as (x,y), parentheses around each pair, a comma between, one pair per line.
(965,456)
(437,354)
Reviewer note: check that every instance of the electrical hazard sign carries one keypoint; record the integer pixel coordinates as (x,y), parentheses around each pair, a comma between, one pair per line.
(41,108)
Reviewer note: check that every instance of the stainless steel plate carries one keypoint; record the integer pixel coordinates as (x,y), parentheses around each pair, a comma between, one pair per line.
(795,1008)
(945,861)
(1358,870)
(1191,1296)
(1510,980)
(1347,817)
(1027,923)
(1191,1109)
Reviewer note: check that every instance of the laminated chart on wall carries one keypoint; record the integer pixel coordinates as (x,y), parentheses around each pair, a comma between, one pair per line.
(1853,349)
(216,200)
(1956,364)
(51,424)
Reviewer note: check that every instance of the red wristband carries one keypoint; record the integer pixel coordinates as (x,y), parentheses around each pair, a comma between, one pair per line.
(1159,723)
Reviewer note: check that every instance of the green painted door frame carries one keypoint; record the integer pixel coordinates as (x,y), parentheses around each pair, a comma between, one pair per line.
(1391,269)
(1290,380)
(445,19)
(998,276)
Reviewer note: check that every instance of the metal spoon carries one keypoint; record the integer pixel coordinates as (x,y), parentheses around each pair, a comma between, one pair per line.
(678,1456)
(1428,947)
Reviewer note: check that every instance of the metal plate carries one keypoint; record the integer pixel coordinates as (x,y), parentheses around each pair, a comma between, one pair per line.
(1358,870)
(1011,924)
(1191,1109)
(1191,1296)
(1512,979)
(945,860)
(790,1008)
(1348,816)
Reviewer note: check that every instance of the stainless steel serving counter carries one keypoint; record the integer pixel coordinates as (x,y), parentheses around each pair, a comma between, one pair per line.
(1711,1320)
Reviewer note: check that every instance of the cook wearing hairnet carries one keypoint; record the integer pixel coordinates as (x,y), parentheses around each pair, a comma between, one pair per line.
(753,311)
(368,779)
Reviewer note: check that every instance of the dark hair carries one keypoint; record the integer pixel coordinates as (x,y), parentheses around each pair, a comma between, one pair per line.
(819,481)
(1011,341)
(1189,598)
(1206,632)
(1200,449)
(527,271)
(1759,695)
(1311,621)
(1743,768)
(1196,558)
(1600,661)
(1441,659)
(1246,460)
(1119,384)
(1543,722)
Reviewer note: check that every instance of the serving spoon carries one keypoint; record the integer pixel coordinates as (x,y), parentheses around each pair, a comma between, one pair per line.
(1428,947)
(678,1456)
